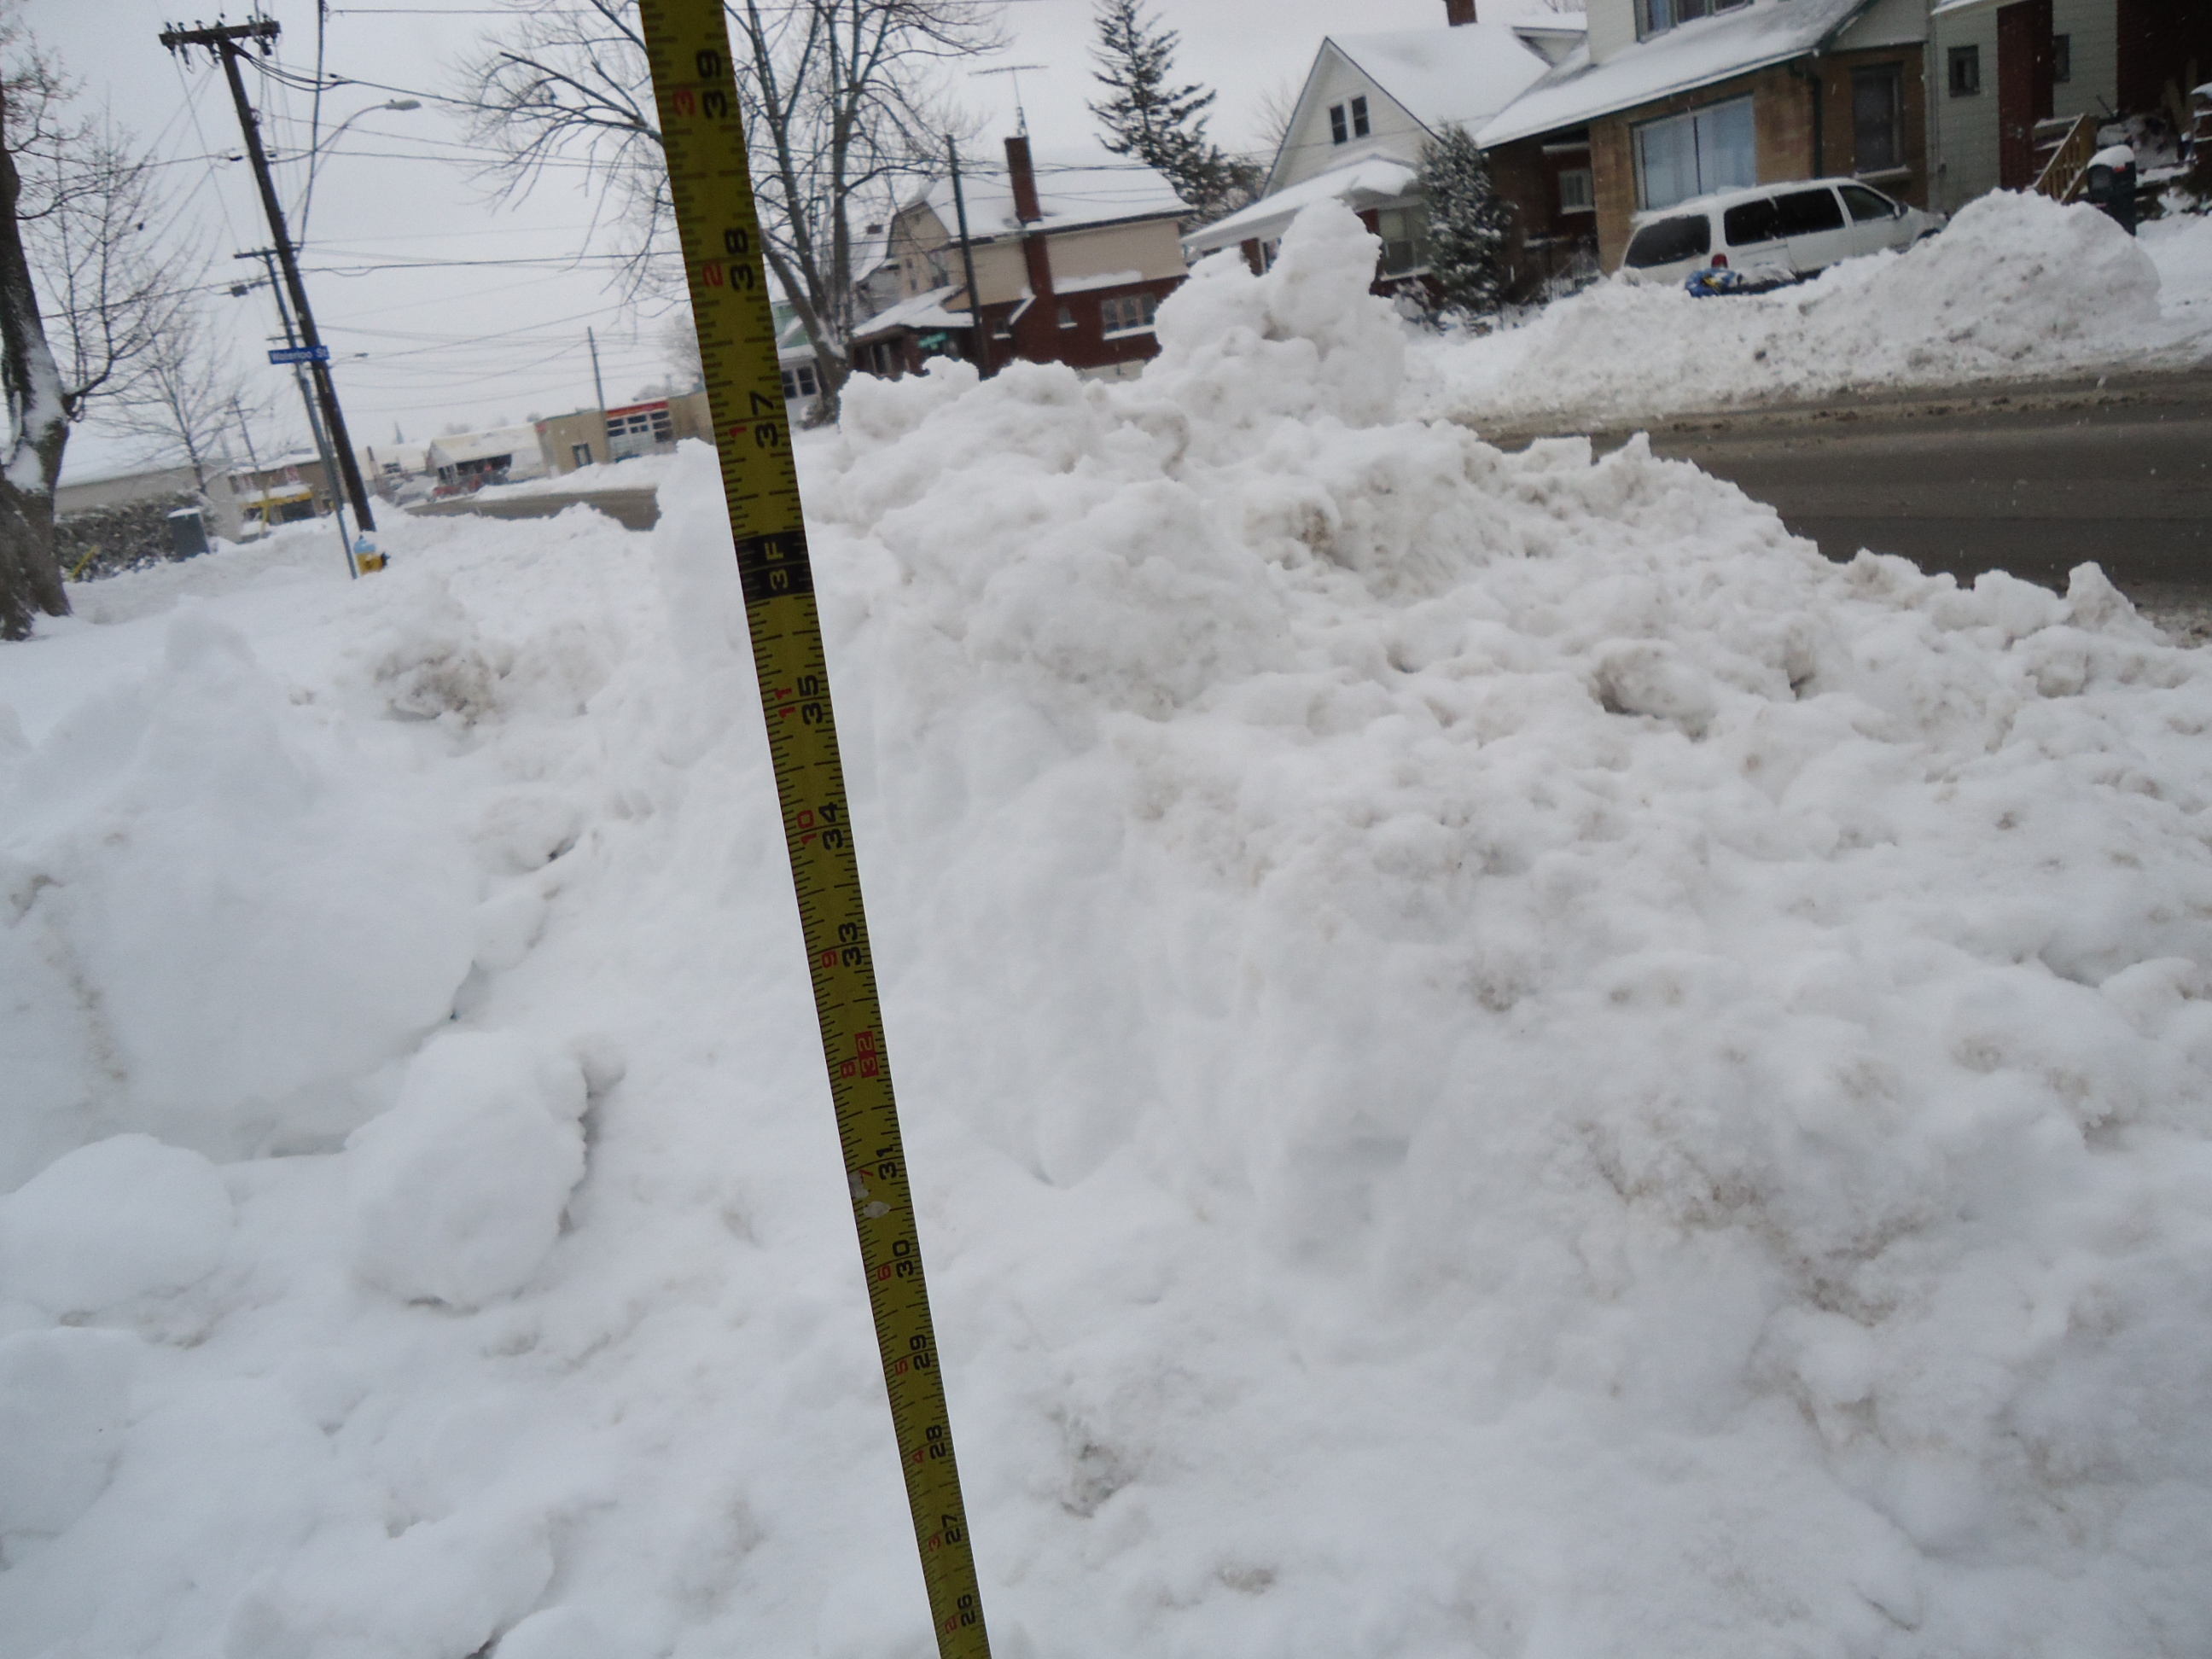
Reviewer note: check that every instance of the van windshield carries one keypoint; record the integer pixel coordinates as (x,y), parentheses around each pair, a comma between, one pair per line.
(1662,243)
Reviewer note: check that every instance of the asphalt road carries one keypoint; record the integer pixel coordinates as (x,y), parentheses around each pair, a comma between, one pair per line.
(2032,479)
(634,509)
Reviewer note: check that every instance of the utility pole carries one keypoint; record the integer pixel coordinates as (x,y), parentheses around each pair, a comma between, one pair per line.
(223,42)
(968,265)
(268,257)
(599,386)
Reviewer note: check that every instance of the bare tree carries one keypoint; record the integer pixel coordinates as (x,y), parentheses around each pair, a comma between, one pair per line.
(678,340)
(839,105)
(83,302)
(184,397)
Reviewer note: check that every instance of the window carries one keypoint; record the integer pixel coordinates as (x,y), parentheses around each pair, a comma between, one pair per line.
(1067,317)
(1693,155)
(1360,118)
(1405,234)
(1867,205)
(1690,237)
(1749,224)
(1339,131)
(798,382)
(1347,121)
(580,454)
(1878,119)
(1966,72)
(1577,190)
(2061,58)
(1128,313)
(1807,213)
(1657,16)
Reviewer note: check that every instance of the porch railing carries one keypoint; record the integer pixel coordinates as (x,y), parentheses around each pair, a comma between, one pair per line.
(2063,175)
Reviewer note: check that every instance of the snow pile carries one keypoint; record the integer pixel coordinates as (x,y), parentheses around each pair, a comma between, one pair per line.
(1498,1060)
(2016,285)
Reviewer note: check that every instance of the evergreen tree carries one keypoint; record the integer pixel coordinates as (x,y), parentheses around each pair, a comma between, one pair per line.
(1163,124)
(1468,223)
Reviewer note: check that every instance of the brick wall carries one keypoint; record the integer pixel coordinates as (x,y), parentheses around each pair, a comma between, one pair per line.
(1781,115)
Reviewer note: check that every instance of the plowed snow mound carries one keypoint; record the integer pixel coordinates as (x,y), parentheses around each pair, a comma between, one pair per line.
(2016,285)
(1498,1058)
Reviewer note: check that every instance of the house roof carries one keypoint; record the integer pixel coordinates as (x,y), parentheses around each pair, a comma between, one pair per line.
(921,311)
(1689,55)
(1073,193)
(482,446)
(1361,183)
(1447,76)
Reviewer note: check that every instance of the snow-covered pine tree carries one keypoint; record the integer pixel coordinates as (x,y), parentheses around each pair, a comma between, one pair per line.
(1468,224)
(1163,124)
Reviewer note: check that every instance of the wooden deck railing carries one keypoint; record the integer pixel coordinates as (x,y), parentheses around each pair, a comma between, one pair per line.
(2063,176)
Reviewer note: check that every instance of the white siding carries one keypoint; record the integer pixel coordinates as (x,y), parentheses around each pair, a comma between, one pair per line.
(2095,28)
(1612,27)
(1962,132)
(1308,148)
(1886,23)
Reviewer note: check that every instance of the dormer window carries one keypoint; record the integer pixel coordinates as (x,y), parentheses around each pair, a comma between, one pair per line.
(1347,121)
(1657,16)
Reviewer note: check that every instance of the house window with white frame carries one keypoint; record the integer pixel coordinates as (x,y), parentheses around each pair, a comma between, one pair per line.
(1347,121)
(1577,190)
(1707,149)
(798,382)
(1128,314)
(1405,234)
(1657,16)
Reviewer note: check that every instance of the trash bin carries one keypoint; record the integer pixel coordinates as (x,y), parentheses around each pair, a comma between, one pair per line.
(2109,186)
(187,533)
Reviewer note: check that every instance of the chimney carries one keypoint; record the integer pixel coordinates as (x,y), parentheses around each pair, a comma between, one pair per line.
(1018,164)
(1459,11)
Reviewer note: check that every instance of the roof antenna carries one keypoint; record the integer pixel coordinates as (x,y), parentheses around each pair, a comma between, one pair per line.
(1021,117)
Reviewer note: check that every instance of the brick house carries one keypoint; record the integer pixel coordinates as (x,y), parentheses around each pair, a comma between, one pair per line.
(1369,104)
(1672,99)
(1070,269)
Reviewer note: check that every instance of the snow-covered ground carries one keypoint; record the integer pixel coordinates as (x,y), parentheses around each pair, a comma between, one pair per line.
(1499,1059)
(2015,287)
(639,472)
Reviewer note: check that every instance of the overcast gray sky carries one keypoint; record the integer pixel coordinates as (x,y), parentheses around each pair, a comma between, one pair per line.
(441,305)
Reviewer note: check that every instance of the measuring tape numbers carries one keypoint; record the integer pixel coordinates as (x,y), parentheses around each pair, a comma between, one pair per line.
(688,46)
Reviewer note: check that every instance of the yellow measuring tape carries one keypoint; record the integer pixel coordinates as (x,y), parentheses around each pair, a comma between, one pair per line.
(688,44)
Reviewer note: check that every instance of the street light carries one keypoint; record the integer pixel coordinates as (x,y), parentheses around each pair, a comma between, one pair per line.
(314,156)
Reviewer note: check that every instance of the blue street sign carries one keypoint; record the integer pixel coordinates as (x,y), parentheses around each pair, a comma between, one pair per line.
(313,354)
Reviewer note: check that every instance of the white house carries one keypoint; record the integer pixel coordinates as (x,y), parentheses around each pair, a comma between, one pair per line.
(1369,104)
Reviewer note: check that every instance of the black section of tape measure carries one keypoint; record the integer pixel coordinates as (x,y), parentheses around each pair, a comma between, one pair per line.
(775,567)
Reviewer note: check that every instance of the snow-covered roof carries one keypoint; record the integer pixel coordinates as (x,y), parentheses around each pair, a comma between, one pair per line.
(1073,193)
(922,311)
(1690,55)
(1447,76)
(1360,184)
(482,446)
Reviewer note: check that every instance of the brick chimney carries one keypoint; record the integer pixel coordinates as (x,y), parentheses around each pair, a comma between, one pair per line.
(1037,336)
(1459,11)
(1024,177)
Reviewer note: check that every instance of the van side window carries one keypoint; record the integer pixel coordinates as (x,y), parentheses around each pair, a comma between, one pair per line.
(1804,212)
(1749,223)
(1690,237)
(1867,205)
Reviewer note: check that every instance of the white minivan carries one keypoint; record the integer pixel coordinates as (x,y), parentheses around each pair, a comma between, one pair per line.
(1770,234)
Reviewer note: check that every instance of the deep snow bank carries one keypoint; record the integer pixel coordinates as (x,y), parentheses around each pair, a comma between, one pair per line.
(1500,1061)
(2016,285)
